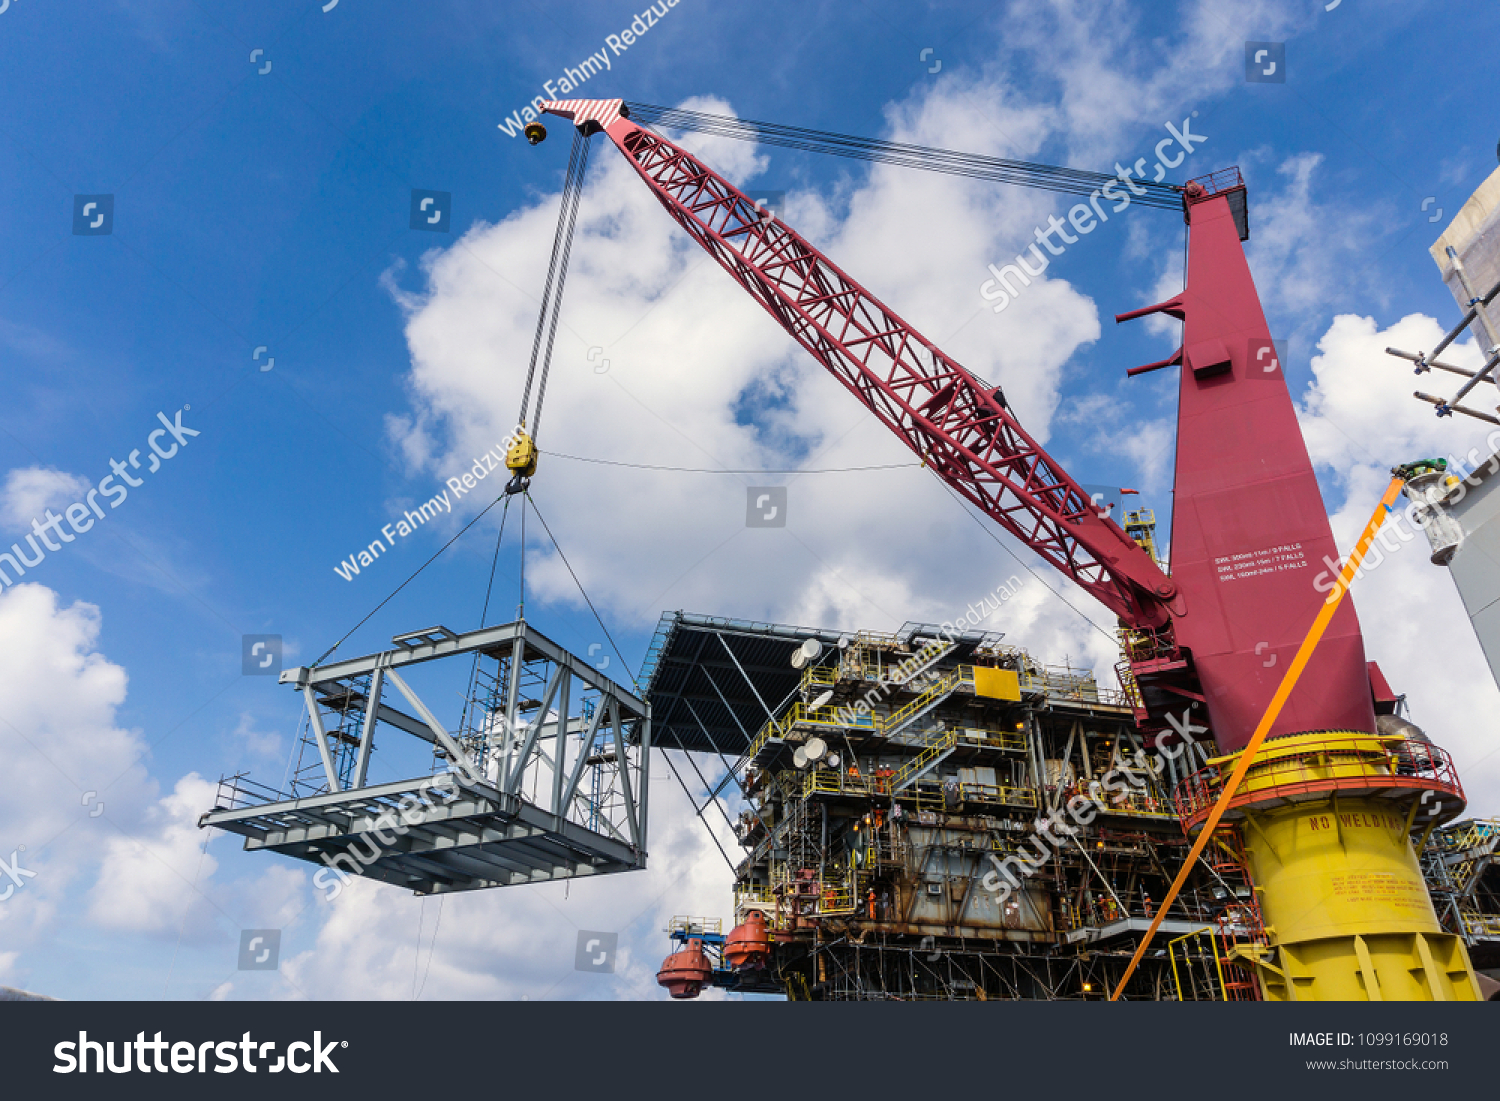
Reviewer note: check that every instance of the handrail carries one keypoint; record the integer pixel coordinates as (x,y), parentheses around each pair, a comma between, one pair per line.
(1009,794)
(946,686)
(1480,923)
(1345,762)
(924,760)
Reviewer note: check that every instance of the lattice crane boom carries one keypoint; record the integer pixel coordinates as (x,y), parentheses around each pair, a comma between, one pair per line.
(957,425)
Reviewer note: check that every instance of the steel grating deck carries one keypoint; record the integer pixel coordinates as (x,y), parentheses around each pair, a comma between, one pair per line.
(411,835)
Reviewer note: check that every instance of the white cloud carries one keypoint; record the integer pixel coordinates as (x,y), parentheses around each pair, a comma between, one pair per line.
(1311,252)
(1147,443)
(76,794)
(158,880)
(1359,410)
(58,697)
(1360,419)
(147,877)
(249,741)
(375,941)
(1115,64)
(30,491)
(63,754)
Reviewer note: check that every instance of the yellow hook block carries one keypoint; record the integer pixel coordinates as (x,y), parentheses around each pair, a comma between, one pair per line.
(521,456)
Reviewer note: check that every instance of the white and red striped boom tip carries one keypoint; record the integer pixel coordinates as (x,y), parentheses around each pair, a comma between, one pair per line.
(602,111)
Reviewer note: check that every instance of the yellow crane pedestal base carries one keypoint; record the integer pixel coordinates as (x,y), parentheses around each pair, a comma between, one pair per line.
(1340,888)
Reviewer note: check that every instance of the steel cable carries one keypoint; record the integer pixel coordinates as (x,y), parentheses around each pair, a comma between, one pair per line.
(1072,181)
(557,274)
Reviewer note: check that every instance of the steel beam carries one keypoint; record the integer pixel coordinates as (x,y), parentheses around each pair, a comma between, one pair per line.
(367,734)
(534,728)
(489,640)
(455,751)
(315,718)
(583,756)
(560,746)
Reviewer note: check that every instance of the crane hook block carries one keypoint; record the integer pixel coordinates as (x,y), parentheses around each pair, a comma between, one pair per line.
(521,457)
(535,133)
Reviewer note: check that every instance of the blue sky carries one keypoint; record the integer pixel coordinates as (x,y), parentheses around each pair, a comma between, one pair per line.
(271,209)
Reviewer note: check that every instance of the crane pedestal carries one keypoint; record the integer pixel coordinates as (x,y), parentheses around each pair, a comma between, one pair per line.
(1327,819)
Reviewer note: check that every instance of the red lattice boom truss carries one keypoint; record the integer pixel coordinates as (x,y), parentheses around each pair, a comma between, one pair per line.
(960,428)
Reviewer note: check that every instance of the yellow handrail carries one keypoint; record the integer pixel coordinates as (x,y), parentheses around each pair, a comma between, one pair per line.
(1207,930)
(1476,922)
(963,674)
(834,781)
(762,738)
(922,760)
(799,714)
(998,793)
(819,676)
(998,739)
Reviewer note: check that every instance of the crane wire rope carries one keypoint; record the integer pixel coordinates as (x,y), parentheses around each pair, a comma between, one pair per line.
(431,947)
(408,581)
(1048,177)
(711,470)
(484,614)
(1038,577)
(581,590)
(557,274)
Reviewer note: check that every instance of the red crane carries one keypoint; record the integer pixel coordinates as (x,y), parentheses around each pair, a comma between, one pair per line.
(1249,531)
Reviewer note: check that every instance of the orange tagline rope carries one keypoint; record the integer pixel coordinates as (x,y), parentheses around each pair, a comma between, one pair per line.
(1273,711)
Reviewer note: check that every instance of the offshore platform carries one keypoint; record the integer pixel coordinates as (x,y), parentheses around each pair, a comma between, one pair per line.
(924,849)
(1247,813)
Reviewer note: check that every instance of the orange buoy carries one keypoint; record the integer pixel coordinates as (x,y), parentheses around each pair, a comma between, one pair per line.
(749,943)
(684,972)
